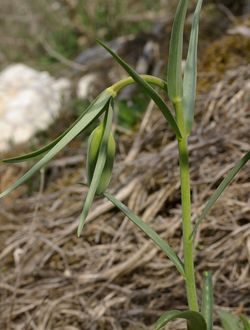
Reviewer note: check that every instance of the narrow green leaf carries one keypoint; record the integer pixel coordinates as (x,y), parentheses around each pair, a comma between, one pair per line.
(49,146)
(149,232)
(245,322)
(195,320)
(190,72)
(229,321)
(42,150)
(96,109)
(207,300)
(174,72)
(35,153)
(148,90)
(224,184)
(100,163)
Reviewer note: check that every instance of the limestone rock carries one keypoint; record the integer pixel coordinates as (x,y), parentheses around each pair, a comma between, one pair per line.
(29,102)
(86,85)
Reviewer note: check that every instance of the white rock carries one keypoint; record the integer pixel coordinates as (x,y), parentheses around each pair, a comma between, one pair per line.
(241,29)
(29,101)
(85,85)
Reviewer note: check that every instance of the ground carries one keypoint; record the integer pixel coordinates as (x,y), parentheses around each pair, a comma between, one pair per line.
(113,277)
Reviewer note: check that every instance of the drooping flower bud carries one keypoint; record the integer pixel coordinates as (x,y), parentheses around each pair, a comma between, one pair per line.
(94,143)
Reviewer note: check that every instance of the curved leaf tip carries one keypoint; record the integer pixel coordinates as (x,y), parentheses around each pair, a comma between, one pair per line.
(96,108)
(195,321)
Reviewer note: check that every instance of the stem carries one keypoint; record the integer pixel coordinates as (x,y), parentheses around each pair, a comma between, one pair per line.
(129,80)
(186,210)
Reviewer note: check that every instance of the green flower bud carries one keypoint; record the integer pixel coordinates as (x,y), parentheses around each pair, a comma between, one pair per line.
(94,143)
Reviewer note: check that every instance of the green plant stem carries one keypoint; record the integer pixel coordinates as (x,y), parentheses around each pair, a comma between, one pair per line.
(129,80)
(186,210)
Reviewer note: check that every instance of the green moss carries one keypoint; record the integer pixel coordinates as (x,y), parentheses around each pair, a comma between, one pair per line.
(228,52)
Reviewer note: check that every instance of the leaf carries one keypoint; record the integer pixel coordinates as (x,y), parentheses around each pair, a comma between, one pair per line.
(96,109)
(49,146)
(100,163)
(245,322)
(229,321)
(174,72)
(224,184)
(149,232)
(35,153)
(195,320)
(42,150)
(207,300)
(147,89)
(190,72)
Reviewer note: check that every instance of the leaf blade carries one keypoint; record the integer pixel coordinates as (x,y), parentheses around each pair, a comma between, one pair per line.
(223,185)
(39,151)
(48,146)
(174,70)
(100,163)
(195,320)
(148,89)
(190,71)
(207,300)
(148,231)
(95,111)
(229,321)
(245,322)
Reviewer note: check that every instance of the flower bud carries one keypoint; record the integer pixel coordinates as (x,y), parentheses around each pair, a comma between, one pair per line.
(94,143)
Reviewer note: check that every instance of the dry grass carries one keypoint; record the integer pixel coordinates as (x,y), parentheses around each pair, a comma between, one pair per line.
(112,277)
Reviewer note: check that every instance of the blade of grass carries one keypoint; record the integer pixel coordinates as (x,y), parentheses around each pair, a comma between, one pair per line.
(190,72)
(101,159)
(147,89)
(148,231)
(207,300)
(49,146)
(95,111)
(245,322)
(229,321)
(174,71)
(195,320)
(224,184)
